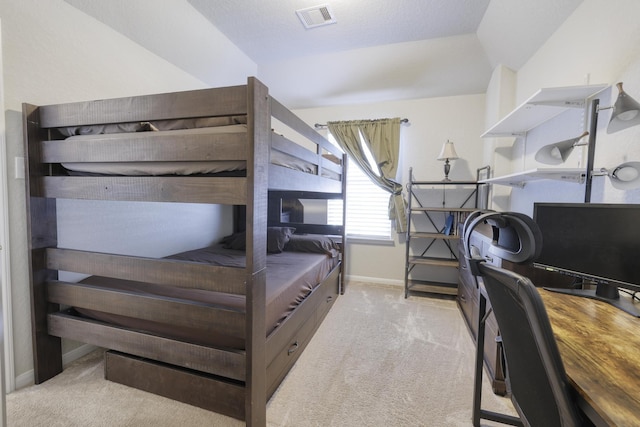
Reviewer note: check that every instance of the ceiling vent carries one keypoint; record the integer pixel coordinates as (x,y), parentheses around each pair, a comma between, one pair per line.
(316,16)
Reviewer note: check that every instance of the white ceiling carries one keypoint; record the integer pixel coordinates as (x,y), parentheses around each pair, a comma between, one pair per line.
(378,50)
(270,31)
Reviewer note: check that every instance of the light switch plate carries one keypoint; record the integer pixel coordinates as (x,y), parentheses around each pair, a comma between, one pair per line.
(19,167)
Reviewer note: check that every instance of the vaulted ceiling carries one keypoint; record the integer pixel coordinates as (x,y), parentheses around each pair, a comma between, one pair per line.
(375,51)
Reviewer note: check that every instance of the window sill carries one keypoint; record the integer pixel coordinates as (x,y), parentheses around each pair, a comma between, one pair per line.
(363,240)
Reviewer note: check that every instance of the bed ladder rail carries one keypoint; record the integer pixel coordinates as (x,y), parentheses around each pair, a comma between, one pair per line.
(184,274)
(168,311)
(229,364)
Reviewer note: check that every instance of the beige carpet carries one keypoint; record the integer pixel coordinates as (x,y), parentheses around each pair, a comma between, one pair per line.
(377,360)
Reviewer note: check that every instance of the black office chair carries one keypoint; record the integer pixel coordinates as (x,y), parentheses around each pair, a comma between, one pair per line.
(536,376)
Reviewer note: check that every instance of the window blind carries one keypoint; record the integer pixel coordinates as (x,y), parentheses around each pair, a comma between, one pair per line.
(366,204)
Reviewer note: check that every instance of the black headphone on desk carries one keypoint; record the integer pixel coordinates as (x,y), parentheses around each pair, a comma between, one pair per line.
(516,237)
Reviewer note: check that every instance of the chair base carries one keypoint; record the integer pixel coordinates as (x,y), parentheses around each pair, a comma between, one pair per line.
(478,412)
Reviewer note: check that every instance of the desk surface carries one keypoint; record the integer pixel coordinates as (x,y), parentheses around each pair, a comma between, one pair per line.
(600,349)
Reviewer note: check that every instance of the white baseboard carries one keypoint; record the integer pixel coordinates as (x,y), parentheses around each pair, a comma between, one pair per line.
(28,378)
(376,280)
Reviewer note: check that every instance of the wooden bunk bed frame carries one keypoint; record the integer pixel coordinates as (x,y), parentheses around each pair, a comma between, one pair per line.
(233,382)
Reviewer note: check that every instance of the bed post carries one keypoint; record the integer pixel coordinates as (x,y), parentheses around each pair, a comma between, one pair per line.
(42,233)
(259,125)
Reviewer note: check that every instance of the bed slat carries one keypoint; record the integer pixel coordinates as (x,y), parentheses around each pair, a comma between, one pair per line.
(329,165)
(146,307)
(149,270)
(281,178)
(226,101)
(148,147)
(216,190)
(230,364)
(280,143)
(287,117)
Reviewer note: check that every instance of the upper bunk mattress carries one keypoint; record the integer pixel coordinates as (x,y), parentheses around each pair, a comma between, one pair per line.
(157,168)
(290,278)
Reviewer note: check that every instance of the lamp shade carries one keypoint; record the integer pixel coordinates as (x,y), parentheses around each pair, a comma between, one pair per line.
(625,176)
(626,112)
(557,153)
(448,152)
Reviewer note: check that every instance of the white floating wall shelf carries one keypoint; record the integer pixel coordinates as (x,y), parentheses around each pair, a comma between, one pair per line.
(521,178)
(545,104)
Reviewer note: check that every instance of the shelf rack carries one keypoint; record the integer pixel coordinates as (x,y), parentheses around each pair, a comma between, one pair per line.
(434,230)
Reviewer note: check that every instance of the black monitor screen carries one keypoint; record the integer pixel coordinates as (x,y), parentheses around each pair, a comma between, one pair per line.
(599,242)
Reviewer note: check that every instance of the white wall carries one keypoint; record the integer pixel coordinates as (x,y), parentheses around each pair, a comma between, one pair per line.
(54,53)
(176,31)
(598,43)
(498,151)
(432,122)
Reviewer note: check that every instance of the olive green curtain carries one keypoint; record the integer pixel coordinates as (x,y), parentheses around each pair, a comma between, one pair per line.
(382,139)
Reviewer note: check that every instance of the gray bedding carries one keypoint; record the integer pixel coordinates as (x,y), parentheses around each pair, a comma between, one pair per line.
(157,168)
(291,276)
(179,168)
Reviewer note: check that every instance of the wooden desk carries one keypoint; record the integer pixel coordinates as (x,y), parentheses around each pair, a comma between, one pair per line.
(600,349)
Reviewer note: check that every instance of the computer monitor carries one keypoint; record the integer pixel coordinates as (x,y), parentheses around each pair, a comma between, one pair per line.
(599,243)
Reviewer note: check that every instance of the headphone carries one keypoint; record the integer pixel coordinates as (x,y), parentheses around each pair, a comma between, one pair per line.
(516,237)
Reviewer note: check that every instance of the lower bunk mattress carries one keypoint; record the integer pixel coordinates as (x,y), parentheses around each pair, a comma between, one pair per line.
(290,278)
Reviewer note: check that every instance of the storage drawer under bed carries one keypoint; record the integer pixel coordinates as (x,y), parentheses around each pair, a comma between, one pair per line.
(283,349)
(282,353)
(184,385)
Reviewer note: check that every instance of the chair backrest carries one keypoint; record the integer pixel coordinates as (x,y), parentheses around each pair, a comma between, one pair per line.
(536,374)
(516,237)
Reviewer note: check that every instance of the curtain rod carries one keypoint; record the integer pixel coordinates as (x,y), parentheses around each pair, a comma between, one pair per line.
(324,125)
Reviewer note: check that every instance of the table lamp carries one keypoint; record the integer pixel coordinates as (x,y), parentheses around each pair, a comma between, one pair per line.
(448,153)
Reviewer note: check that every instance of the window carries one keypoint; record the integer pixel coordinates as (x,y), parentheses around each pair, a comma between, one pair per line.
(367,205)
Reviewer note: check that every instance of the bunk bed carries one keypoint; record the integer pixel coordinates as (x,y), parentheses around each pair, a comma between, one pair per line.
(189,326)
